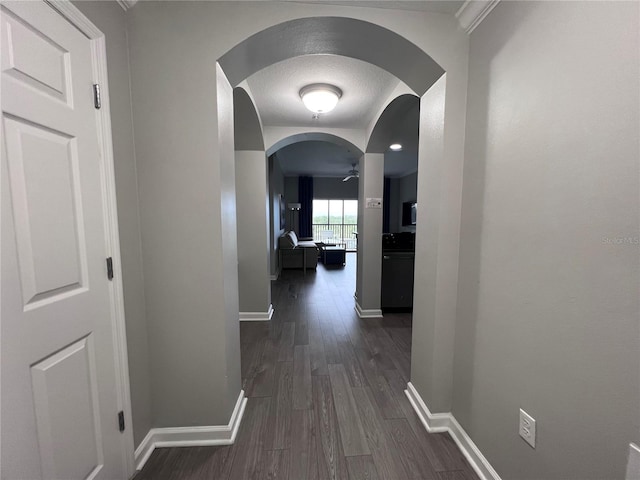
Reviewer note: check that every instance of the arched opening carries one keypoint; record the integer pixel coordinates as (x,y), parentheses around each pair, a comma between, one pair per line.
(395,136)
(321,196)
(252,210)
(348,37)
(393,53)
(187,177)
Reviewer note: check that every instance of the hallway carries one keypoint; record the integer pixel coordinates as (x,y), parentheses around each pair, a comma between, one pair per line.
(326,396)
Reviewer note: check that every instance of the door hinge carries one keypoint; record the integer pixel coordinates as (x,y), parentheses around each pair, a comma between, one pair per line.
(121,420)
(97,101)
(110,268)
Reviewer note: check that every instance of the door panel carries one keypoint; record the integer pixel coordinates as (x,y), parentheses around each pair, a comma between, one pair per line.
(43,173)
(59,388)
(30,56)
(65,395)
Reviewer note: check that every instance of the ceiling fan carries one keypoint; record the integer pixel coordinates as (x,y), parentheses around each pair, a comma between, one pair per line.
(353,173)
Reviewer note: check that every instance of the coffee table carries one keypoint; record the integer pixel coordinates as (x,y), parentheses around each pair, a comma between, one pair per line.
(332,254)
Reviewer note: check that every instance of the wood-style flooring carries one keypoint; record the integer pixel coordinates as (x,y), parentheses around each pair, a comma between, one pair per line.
(326,397)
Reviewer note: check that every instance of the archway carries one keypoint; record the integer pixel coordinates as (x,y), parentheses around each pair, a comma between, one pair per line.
(185,157)
(344,36)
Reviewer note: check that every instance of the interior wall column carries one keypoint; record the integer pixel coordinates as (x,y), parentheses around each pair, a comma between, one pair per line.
(252,213)
(369,268)
(436,257)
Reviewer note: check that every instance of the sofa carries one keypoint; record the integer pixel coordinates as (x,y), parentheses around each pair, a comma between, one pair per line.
(294,252)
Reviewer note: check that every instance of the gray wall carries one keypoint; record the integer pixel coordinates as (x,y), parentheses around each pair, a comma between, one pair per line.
(435,279)
(276,188)
(335,188)
(369,266)
(549,275)
(252,207)
(109,17)
(403,189)
(187,211)
(181,145)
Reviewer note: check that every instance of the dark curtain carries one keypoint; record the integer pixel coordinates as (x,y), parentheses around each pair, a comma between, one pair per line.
(305,197)
(386,206)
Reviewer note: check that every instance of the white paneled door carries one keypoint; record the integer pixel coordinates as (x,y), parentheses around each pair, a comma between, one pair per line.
(59,387)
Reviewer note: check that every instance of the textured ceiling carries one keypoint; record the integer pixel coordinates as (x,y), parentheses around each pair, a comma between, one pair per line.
(276,90)
(315,158)
(436,6)
(447,6)
(324,159)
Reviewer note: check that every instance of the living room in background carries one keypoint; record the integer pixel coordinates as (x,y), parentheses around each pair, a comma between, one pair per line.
(335,222)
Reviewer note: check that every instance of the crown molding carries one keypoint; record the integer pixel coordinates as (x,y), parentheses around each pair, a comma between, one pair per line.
(472,12)
(126,4)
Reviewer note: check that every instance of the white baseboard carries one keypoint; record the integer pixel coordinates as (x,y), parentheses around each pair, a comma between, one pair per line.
(446,422)
(257,316)
(633,465)
(191,436)
(373,313)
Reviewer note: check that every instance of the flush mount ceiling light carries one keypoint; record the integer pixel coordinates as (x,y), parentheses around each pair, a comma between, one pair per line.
(320,97)
(396,147)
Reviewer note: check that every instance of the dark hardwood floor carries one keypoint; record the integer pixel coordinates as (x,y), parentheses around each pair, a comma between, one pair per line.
(326,397)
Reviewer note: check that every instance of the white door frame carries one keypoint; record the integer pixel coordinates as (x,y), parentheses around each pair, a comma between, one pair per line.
(103,118)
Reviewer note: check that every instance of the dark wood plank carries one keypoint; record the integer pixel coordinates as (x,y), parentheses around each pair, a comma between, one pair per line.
(316,350)
(302,331)
(330,344)
(413,459)
(362,468)
(384,397)
(275,465)
(301,378)
(285,353)
(331,460)
(376,380)
(278,434)
(304,450)
(354,441)
(251,357)
(457,475)
(401,360)
(384,452)
(351,364)
(263,382)
(249,442)
(439,448)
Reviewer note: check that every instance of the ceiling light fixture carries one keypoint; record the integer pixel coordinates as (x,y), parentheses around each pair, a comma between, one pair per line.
(396,147)
(320,97)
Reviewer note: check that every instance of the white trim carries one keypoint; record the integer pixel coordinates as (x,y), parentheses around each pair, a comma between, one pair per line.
(191,436)
(433,422)
(473,12)
(127,4)
(446,422)
(372,313)
(112,239)
(273,277)
(633,464)
(257,316)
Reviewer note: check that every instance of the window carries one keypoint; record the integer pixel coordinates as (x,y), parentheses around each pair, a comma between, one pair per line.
(335,221)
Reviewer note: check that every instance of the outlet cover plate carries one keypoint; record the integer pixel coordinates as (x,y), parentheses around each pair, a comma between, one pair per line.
(527,428)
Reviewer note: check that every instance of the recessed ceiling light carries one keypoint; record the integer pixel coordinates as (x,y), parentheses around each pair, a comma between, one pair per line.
(396,147)
(320,97)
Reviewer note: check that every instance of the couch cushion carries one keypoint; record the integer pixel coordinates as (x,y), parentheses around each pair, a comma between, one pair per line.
(306,244)
(287,241)
(293,236)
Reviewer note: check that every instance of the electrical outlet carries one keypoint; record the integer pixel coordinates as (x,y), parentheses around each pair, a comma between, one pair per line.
(527,428)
